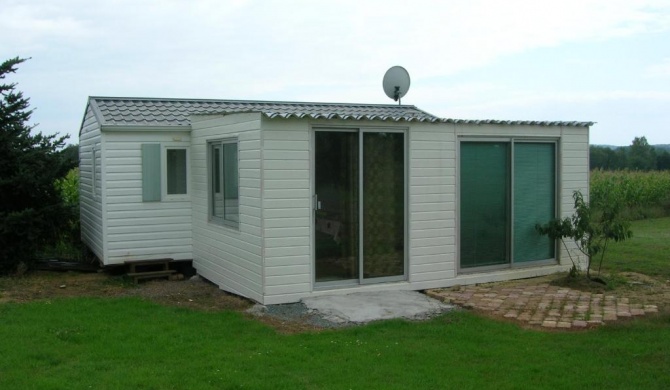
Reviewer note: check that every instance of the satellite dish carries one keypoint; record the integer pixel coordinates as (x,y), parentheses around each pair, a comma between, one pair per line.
(396,83)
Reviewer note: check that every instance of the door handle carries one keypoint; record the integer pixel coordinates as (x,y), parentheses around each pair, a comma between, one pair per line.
(317,203)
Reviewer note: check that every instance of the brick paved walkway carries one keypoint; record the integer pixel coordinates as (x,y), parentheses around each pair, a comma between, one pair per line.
(544,305)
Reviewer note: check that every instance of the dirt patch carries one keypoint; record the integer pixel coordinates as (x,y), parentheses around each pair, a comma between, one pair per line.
(195,293)
(200,294)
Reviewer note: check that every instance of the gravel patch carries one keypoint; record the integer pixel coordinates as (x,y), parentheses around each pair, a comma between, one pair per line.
(296,312)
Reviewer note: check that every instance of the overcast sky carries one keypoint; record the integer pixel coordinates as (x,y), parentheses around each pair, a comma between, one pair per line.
(604,61)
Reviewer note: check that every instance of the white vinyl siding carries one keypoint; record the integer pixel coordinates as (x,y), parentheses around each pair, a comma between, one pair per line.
(90,205)
(574,176)
(137,230)
(229,257)
(432,204)
(287,210)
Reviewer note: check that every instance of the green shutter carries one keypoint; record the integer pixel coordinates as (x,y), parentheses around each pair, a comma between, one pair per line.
(484,198)
(534,199)
(151,172)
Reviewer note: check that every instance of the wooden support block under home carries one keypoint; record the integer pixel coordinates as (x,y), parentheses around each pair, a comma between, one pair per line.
(147,269)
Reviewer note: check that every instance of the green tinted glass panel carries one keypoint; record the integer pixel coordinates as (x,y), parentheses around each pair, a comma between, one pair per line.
(217,194)
(230,183)
(534,199)
(230,177)
(176,171)
(484,198)
(151,172)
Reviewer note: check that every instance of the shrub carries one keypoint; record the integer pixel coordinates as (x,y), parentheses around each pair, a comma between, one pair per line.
(68,242)
(590,228)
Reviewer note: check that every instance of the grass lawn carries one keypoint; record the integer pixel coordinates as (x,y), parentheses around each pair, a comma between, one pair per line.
(125,343)
(647,252)
(130,343)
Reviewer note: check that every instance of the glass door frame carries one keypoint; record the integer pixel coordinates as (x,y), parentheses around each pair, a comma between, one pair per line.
(361,280)
(510,244)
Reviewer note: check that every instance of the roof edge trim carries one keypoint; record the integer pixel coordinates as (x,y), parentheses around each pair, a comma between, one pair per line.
(142,127)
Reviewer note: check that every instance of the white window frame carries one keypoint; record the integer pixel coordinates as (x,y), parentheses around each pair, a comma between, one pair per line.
(164,174)
(511,140)
(219,220)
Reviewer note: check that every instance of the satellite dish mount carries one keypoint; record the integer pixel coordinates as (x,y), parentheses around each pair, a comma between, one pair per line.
(396,83)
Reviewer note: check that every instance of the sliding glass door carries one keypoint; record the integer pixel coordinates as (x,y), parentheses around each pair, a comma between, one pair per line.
(383,205)
(484,203)
(359,201)
(534,199)
(506,189)
(336,205)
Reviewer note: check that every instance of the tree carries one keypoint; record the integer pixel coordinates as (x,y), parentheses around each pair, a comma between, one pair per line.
(598,157)
(663,160)
(31,211)
(70,156)
(642,156)
(591,227)
(603,157)
(608,159)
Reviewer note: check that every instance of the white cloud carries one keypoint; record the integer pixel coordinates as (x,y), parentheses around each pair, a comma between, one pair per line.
(297,50)
(27,28)
(660,70)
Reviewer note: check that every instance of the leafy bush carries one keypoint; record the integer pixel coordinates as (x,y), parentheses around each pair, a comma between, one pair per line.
(591,227)
(68,187)
(68,243)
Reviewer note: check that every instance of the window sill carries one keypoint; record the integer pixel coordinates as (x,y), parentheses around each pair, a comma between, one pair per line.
(234,226)
(176,198)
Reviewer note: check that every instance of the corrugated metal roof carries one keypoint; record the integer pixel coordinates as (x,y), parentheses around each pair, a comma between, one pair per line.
(175,112)
(117,111)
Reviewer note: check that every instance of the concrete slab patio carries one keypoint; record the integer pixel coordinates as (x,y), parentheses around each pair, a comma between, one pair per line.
(370,306)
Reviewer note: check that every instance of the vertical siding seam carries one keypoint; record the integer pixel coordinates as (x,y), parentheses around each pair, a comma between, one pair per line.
(261,136)
(410,205)
(457,201)
(103,196)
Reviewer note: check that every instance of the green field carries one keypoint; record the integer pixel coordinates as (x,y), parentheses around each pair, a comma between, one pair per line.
(647,252)
(641,194)
(128,343)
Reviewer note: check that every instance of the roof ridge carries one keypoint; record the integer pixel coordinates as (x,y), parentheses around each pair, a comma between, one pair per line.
(153,99)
